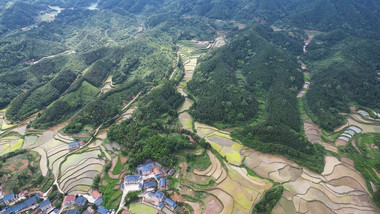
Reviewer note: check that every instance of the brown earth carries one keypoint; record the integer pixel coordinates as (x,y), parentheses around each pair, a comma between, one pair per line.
(212,205)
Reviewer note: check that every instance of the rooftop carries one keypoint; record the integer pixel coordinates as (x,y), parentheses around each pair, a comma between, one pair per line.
(102,210)
(170,202)
(70,198)
(71,144)
(162,182)
(132,178)
(44,203)
(8,197)
(158,194)
(96,194)
(150,184)
(80,200)
(98,201)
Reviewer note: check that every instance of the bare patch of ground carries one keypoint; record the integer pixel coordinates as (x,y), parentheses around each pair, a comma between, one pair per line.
(212,205)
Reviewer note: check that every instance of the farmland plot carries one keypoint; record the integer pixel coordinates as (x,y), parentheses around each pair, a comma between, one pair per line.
(78,170)
(76,158)
(339,187)
(30,140)
(10,143)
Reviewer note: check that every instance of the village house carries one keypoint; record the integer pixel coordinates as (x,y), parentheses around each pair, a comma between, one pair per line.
(76,145)
(80,201)
(150,185)
(69,200)
(170,203)
(81,143)
(154,198)
(145,169)
(157,172)
(8,199)
(102,210)
(132,179)
(98,201)
(96,197)
(132,183)
(162,183)
(28,204)
(45,205)
(73,146)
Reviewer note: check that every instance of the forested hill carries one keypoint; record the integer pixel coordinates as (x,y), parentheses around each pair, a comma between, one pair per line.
(251,83)
(254,70)
(354,16)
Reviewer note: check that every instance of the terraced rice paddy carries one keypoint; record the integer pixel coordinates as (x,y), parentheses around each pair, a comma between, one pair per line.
(10,143)
(186,105)
(221,142)
(233,186)
(186,121)
(78,170)
(313,134)
(77,158)
(30,140)
(340,188)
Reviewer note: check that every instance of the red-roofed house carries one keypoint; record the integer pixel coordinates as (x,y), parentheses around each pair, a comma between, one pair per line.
(96,194)
(157,171)
(69,200)
(81,143)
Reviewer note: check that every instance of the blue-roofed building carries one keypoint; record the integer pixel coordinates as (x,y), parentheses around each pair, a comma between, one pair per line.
(73,212)
(154,198)
(150,184)
(74,145)
(45,205)
(102,210)
(162,183)
(146,169)
(56,210)
(122,186)
(132,179)
(86,212)
(32,200)
(98,201)
(160,205)
(27,203)
(81,201)
(8,199)
(170,203)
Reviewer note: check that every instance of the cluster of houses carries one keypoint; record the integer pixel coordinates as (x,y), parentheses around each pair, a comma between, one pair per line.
(19,203)
(76,145)
(349,133)
(151,180)
(81,201)
(366,115)
(31,203)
